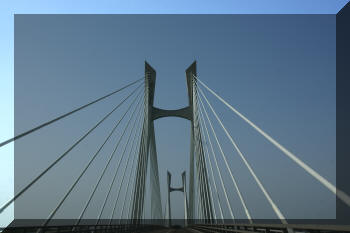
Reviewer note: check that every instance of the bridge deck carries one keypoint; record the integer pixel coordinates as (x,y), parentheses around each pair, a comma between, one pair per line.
(197,228)
(177,230)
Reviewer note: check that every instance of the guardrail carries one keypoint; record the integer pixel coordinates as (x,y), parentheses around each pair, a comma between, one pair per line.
(84,228)
(270,228)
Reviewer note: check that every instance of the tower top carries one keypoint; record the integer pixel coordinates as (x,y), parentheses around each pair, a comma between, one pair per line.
(190,71)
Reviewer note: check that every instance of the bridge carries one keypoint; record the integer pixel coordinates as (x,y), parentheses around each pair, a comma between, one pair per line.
(204,204)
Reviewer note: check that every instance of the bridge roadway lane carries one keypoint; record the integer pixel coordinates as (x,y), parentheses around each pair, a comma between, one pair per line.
(177,230)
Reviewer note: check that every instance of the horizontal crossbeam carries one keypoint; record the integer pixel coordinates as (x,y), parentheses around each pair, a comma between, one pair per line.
(176,189)
(185,113)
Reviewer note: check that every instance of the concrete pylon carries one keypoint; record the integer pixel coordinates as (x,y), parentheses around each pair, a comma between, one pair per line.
(148,149)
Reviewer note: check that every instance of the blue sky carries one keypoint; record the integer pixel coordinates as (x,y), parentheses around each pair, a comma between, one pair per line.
(116,7)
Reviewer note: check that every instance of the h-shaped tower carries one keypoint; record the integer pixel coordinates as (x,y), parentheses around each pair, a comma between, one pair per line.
(148,152)
(181,189)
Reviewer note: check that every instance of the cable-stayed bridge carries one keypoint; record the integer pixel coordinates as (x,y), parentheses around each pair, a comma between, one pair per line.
(206,198)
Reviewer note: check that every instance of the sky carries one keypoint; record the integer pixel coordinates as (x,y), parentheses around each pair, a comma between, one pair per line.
(295,96)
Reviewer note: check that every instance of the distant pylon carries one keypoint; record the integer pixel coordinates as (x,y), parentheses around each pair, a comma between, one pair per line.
(181,189)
